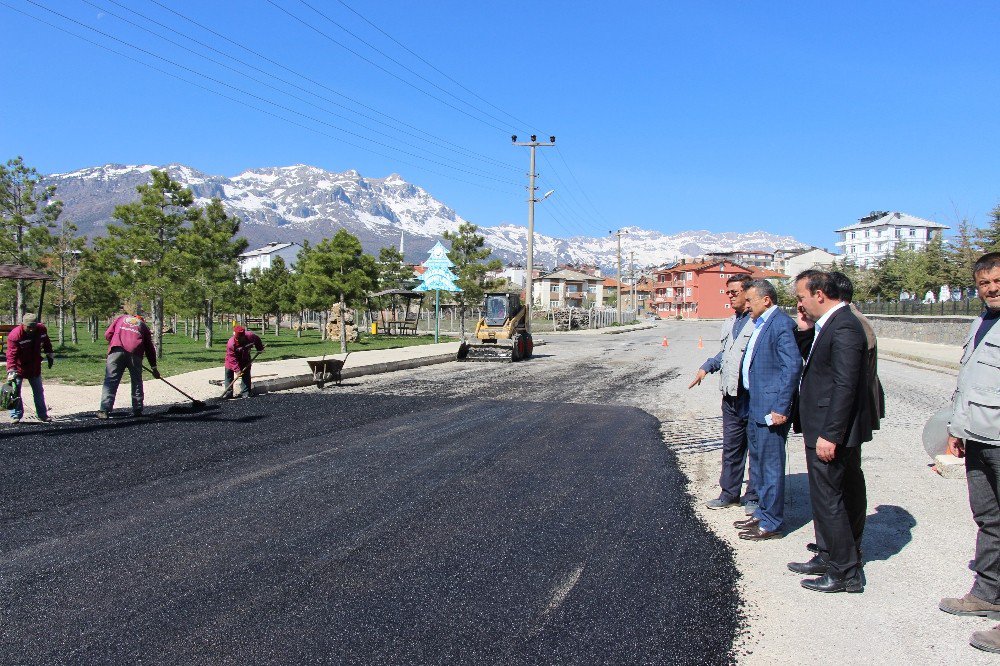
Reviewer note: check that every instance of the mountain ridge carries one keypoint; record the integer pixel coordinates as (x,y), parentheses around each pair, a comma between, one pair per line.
(304,202)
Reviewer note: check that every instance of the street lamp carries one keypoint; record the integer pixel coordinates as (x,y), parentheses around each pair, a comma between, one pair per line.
(529,297)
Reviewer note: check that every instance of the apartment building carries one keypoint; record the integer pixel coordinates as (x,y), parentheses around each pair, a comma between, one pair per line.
(876,235)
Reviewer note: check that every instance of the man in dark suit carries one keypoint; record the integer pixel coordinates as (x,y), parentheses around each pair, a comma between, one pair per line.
(835,415)
(769,373)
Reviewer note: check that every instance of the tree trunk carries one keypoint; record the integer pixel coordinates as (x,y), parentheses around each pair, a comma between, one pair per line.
(209,321)
(21,305)
(461,319)
(277,324)
(62,325)
(158,325)
(343,325)
(72,326)
(298,333)
(93,329)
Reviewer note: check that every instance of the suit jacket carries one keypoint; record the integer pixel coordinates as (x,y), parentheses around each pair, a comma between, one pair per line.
(835,399)
(976,402)
(877,396)
(775,366)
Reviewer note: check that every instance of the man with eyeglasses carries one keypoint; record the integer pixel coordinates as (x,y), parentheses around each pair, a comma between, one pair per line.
(734,337)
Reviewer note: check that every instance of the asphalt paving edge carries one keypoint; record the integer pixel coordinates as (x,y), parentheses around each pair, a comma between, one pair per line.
(299,381)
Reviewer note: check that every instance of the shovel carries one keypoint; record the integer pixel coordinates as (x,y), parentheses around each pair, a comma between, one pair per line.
(196,404)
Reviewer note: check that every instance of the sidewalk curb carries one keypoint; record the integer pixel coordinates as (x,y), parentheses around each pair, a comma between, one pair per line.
(306,379)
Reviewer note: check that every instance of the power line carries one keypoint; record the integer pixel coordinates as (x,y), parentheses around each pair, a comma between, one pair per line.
(423,60)
(264,99)
(324,86)
(390,58)
(380,67)
(254,79)
(233,99)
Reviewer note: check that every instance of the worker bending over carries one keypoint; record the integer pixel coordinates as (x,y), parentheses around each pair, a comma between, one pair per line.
(238,360)
(129,340)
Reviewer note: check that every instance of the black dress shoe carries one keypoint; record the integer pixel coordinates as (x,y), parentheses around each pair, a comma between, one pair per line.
(828,583)
(814,567)
(746,524)
(755,533)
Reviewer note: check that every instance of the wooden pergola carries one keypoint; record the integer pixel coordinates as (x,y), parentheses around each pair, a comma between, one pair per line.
(392,311)
(18,272)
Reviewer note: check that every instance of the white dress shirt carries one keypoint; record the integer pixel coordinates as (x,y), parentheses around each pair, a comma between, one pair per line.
(758,324)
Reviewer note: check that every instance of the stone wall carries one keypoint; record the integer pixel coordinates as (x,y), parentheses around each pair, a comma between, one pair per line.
(948,330)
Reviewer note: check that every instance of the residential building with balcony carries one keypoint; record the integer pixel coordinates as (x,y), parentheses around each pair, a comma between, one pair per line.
(758,258)
(875,236)
(567,288)
(696,290)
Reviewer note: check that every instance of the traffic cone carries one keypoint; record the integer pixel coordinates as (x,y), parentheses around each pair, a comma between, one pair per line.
(665,343)
(701,345)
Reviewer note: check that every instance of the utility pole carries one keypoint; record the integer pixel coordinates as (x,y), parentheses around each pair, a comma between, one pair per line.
(619,233)
(631,274)
(534,143)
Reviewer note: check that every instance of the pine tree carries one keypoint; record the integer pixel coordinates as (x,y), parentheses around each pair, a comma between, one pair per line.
(962,255)
(338,270)
(209,252)
(65,258)
(145,242)
(392,272)
(97,285)
(26,216)
(267,293)
(468,250)
(989,238)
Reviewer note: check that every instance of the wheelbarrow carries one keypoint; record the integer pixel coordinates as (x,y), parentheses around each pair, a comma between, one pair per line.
(327,370)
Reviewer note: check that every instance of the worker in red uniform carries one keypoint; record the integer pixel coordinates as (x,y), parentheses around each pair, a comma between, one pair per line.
(25,345)
(129,340)
(238,360)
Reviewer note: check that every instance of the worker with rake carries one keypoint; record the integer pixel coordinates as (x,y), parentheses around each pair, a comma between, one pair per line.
(129,339)
(238,360)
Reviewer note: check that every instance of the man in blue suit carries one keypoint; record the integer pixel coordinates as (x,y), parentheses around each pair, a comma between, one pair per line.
(769,376)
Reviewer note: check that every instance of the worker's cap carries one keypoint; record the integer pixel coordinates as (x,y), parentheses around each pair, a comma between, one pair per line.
(239,330)
(29,319)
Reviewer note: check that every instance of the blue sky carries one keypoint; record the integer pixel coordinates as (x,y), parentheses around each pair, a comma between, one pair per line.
(794,118)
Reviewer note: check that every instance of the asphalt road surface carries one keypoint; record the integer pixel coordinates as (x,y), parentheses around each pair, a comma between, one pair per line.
(463,513)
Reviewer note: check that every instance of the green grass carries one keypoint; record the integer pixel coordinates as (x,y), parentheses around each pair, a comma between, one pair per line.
(84,363)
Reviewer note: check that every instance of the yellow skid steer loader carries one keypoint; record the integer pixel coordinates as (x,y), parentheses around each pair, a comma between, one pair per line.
(501,335)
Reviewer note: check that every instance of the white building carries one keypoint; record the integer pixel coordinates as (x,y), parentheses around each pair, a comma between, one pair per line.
(565,288)
(817,258)
(262,257)
(878,234)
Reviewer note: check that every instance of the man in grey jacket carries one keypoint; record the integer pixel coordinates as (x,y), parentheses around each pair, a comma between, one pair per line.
(735,335)
(974,431)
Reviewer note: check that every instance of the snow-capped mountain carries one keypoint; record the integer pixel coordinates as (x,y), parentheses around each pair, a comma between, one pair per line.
(289,204)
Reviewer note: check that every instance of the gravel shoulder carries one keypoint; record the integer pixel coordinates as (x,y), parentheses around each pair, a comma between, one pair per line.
(918,541)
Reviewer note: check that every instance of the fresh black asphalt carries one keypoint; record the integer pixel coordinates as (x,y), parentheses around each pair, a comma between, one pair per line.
(343,528)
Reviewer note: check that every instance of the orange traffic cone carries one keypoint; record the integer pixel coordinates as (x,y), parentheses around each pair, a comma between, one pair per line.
(701,345)
(665,343)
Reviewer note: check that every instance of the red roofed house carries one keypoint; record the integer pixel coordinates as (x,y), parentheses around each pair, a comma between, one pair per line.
(696,290)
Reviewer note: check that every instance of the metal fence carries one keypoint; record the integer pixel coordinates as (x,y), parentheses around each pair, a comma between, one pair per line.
(966,306)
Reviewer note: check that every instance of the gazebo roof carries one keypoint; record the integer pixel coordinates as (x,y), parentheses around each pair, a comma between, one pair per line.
(16,272)
(398,292)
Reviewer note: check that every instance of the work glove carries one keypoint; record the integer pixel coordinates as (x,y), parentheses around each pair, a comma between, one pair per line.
(50,359)
(156,373)
(11,375)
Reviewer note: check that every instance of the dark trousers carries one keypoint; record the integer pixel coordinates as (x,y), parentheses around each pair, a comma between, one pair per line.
(244,383)
(734,450)
(982,473)
(767,470)
(839,504)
